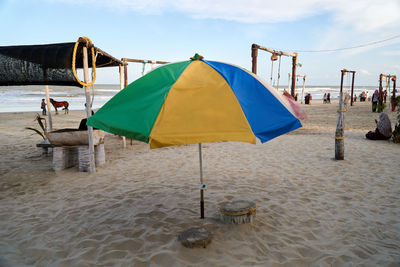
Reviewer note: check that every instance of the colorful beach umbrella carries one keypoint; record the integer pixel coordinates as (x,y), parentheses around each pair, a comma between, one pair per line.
(197,101)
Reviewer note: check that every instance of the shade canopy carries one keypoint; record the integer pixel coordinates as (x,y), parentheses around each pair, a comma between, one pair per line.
(49,64)
(197,101)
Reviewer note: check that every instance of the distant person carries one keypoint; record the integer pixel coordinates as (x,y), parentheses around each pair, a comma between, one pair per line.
(325,99)
(43,107)
(328,98)
(355,98)
(295,97)
(82,124)
(384,96)
(375,98)
(383,129)
(307,99)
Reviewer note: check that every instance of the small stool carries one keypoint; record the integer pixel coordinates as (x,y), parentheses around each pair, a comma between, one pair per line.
(195,237)
(238,212)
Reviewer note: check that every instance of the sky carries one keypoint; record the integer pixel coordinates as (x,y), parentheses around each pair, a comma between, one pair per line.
(220,30)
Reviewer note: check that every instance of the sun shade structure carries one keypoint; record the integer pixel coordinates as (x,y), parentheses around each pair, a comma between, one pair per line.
(48,64)
(197,101)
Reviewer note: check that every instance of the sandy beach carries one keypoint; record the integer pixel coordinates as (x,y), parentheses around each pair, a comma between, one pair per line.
(312,210)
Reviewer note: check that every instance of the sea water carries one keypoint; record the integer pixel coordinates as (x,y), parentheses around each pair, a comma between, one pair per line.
(28,98)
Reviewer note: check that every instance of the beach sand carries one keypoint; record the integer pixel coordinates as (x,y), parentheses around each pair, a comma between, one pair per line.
(312,210)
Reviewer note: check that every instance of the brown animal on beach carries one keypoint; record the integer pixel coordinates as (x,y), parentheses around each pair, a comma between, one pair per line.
(60,104)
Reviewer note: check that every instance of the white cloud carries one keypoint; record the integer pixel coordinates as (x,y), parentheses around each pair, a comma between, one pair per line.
(365,72)
(363,15)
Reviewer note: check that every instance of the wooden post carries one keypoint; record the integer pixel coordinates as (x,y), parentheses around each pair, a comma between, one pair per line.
(125,75)
(294,65)
(254,54)
(352,89)
(121,86)
(394,94)
(92,167)
(380,91)
(339,135)
(48,109)
(201,184)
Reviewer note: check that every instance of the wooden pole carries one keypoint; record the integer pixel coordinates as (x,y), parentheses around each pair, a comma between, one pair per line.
(254,54)
(92,167)
(339,135)
(121,86)
(394,94)
(201,183)
(304,86)
(125,75)
(352,89)
(380,93)
(294,65)
(48,109)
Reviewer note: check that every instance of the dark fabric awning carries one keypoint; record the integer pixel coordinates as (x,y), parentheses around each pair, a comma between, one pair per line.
(49,64)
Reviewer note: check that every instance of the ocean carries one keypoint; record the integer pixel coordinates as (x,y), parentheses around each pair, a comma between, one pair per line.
(28,98)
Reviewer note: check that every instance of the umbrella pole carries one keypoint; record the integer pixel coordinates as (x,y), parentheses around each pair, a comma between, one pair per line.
(201,184)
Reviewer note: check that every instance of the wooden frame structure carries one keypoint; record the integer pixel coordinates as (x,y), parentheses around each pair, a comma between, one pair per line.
(254,55)
(339,134)
(388,77)
(125,64)
(304,84)
(88,104)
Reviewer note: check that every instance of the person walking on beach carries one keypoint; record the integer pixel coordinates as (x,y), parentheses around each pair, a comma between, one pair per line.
(43,106)
(325,100)
(375,98)
(328,98)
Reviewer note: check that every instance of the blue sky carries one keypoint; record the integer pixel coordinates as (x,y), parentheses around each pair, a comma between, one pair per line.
(219,30)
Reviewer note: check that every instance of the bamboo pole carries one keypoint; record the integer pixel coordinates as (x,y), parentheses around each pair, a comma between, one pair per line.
(254,54)
(121,86)
(394,94)
(339,135)
(92,167)
(294,65)
(144,61)
(274,51)
(201,183)
(48,108)
(380,100)
(125,75)
(352,89)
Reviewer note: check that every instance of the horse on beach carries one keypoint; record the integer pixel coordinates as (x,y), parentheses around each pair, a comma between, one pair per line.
(60,104)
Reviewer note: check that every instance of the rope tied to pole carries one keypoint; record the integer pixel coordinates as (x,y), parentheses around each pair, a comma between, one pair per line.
(342,110)
(339,137)
(89,43)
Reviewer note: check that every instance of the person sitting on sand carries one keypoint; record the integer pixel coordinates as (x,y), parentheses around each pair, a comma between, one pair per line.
(383,129)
